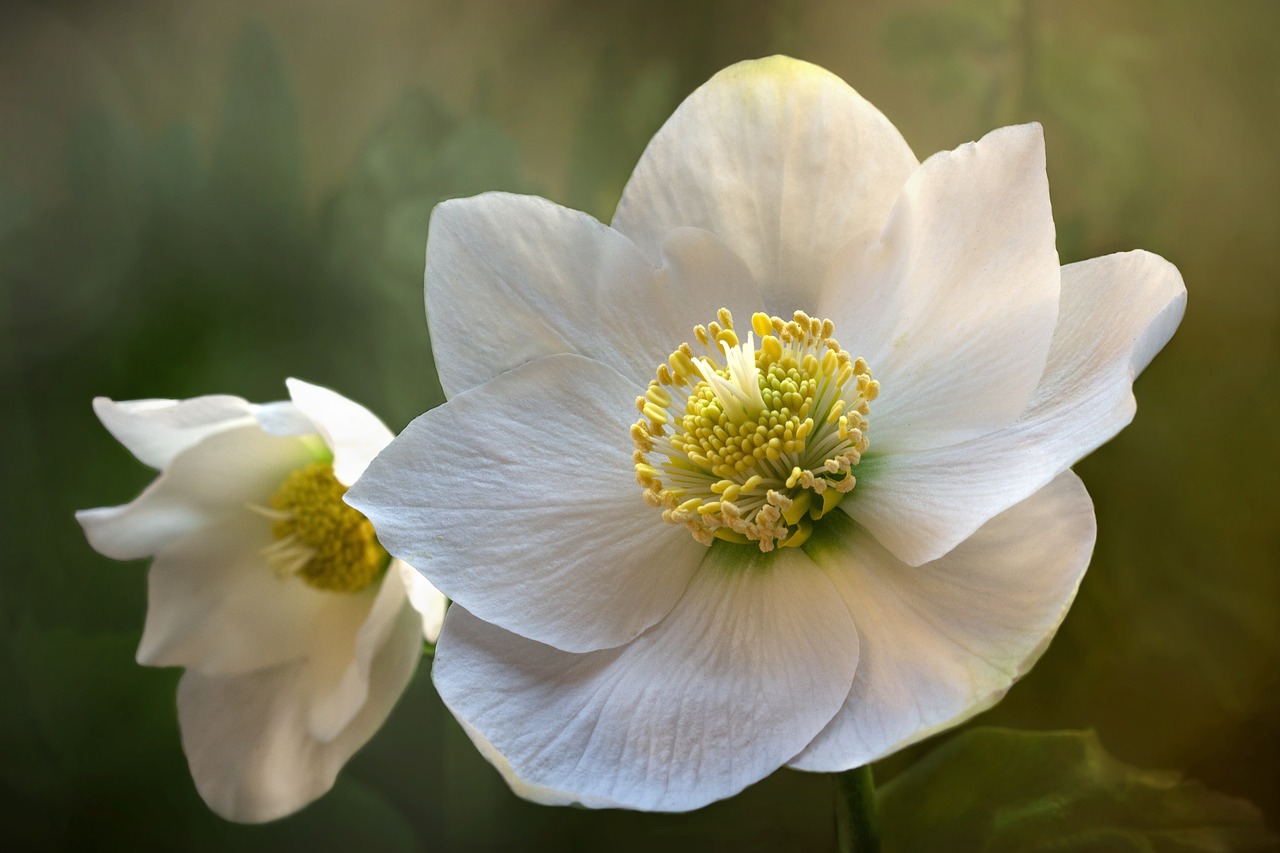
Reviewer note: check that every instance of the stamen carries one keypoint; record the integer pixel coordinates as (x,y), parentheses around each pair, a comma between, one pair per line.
(319,538)
(787,418)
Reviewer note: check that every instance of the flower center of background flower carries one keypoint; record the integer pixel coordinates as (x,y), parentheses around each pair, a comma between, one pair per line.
(752,444)
(318,537)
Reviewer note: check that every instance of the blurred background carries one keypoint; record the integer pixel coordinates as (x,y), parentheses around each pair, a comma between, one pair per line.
(212,196)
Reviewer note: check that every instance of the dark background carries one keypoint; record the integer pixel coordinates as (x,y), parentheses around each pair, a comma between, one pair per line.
(209,197)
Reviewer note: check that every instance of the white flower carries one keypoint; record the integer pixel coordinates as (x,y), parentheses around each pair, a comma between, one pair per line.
(297,631)
(605,651)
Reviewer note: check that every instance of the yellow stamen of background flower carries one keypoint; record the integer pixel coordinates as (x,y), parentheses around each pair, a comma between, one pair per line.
(789,415)
(318,537)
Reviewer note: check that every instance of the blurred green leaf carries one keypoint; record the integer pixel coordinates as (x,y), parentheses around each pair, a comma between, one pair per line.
(624,108)
(353,816)
(376,232)
(96,731)
(257,152)
(960,48)
(102,735)
(1020,60)
(995,790)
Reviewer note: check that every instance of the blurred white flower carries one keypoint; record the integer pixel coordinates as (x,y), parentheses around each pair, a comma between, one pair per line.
(297,630)
(887,556)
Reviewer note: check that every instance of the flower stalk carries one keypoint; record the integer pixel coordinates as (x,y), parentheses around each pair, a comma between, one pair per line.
(857,814)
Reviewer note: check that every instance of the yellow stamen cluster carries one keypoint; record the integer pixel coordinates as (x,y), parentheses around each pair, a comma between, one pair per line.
(318,537)
(753,445)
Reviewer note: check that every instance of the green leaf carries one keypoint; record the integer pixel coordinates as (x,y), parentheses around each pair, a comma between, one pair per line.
(992,789)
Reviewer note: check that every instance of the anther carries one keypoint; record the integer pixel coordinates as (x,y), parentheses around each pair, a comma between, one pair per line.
(319,538)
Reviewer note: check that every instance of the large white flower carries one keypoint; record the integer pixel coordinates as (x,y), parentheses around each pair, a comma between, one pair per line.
(598,644)
(297,630)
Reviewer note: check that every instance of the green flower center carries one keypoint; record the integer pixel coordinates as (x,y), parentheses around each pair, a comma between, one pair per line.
(754,444)
(318,537)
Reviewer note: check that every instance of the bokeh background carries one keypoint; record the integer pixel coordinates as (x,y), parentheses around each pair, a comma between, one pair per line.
(211,196)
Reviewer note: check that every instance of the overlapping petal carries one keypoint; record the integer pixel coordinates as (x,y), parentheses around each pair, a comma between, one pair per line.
(424,597)
(533,793)
(512,278)
(155,431)
(283,418)
(340,670)
(945,640)
(748,666)
(518,500)
(200,486)
(779,158)
(353,433)
(213,604)
(1116,313)
(955,303)
(248,738)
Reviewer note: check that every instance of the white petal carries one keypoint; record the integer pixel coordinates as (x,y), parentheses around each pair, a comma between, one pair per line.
(155,431)
(700,274)
(283,418)
(1116,314)
(518,500)
(955,305)
(512,278)
(342,659)
(944,641)
(215,605)
(201,485)
(353,433)
(749,665)
(424,597)
(522,789)
(780,159)
(247,737)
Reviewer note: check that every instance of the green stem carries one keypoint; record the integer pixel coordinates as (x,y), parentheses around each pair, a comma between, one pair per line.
(857,818)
